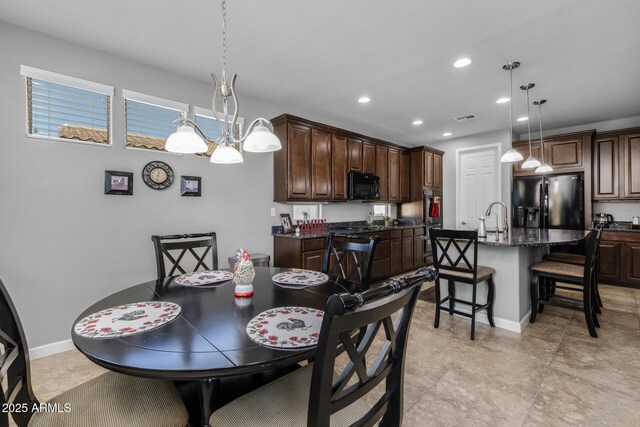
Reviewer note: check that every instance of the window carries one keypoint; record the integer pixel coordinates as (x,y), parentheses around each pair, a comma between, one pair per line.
(65,108)
(149,120)
(311,211)
(206,120)
(381,210)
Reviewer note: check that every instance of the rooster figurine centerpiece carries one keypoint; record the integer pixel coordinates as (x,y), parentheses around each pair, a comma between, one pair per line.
(243,274)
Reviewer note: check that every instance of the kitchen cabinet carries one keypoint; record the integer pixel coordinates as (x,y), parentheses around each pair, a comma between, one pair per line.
(398,251)
(320,164)
(620,258)
(405,177)
(393,175)
(368,158)
(382,165)
(616,165)
(339,166)
(355,155)
(437,170)
(315,160)
(567,153)
(425,170)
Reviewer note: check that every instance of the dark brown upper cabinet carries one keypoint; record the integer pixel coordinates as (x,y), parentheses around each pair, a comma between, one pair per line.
(315,160)
(320,165)
(368,158)
(616,165)
(355,155)
(566,153)
(339,166)
(425,171)
(382,165)
(393,175)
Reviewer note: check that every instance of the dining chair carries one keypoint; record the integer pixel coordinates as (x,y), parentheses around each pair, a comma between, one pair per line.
(348,260)
(174,248)
(548,276)
(324,392)
(110,399)
(455,257)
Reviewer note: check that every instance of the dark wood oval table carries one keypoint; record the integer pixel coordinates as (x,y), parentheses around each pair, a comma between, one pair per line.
(208,339)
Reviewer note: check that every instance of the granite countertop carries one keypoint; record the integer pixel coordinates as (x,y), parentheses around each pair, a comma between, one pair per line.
(346,229)
(526,237)
(621,226)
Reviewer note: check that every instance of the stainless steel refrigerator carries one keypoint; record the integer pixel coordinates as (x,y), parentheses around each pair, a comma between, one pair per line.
(548,202)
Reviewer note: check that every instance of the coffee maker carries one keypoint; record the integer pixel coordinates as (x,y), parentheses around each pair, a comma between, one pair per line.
(603,219)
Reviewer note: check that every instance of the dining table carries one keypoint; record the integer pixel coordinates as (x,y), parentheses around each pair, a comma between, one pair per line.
(208,340)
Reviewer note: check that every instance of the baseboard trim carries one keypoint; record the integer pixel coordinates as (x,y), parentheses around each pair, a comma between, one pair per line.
(509,325)
(50,349)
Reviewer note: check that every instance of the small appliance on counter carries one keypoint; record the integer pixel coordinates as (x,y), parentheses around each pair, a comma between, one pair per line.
(603,219)
(635,223)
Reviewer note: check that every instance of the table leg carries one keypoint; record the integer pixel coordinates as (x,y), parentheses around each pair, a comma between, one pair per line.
(208,389)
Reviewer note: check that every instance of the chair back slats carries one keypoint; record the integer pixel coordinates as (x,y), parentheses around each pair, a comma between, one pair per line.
(173,248)
(348,260)
(455,250)
(591,254)
(15,378)
(385,312)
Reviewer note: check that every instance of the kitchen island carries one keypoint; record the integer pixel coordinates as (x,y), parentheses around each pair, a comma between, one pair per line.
(511,257)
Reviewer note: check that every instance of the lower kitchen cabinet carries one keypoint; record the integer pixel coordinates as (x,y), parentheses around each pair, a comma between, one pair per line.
(620,259)
(398,251)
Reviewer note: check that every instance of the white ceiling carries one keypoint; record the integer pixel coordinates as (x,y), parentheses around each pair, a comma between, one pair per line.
(320,56)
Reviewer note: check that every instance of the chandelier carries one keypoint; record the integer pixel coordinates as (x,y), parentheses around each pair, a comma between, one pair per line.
(258,137)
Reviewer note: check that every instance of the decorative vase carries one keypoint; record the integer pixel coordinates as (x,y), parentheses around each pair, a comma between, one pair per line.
(243,276)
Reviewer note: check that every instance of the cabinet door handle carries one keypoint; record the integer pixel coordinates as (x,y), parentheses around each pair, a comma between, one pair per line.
(464,223)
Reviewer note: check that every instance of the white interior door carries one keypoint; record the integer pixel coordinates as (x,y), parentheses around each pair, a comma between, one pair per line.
(477,184)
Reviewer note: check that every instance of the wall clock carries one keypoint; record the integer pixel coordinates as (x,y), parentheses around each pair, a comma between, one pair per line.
(157,175)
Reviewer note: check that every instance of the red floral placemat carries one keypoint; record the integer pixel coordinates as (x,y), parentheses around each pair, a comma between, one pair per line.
(203,278)
(127,319)
(300,278)
(286,327)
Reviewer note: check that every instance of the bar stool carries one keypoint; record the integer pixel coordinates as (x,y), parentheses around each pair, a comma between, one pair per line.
(576,259)
(451,259)
(579,278)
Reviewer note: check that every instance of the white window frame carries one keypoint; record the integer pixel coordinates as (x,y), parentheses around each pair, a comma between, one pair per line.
(387,209)
(182,107)
(37,73)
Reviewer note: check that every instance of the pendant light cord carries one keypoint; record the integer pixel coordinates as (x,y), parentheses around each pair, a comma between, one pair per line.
(528,119)
(541,141)
(224,41)
(511,107)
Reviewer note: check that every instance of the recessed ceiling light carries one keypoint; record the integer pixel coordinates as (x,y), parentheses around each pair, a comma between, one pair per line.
(364,99)
(417,122)
(447,134)
(503,100)
(523,119)
(462,62)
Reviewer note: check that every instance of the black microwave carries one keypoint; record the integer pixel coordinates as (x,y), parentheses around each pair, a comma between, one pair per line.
(363,187)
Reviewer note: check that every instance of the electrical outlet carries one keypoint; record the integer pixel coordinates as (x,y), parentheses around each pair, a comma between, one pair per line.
(273,211)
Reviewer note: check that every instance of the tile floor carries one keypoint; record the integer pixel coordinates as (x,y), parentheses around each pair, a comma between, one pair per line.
(553,374)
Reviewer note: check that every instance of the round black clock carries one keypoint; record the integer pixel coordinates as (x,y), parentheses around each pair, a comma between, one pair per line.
(157,175)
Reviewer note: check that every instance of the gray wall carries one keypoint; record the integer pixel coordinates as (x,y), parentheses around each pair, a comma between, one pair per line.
(449,168)
(63,243)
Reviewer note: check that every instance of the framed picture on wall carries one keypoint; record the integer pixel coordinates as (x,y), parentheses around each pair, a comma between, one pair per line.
(118,182)
(190,186)
(287,226)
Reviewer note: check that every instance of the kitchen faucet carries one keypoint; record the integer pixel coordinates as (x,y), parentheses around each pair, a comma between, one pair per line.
(505,225)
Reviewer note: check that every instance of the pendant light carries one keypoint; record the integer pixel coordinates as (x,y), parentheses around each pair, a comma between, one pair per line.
(258,138)
(544,168)
(531,161)
(511,155)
